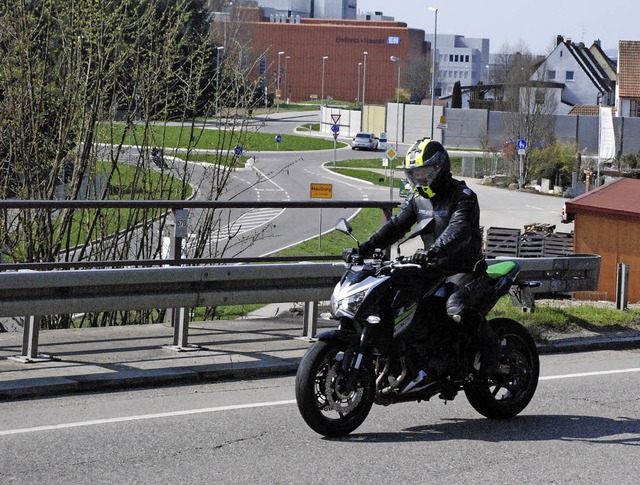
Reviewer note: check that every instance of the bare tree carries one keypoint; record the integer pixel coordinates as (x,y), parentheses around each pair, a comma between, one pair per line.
(87,90)
(529,105)
(418,79)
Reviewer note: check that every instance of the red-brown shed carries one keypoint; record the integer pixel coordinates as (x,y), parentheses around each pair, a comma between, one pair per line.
(607,222)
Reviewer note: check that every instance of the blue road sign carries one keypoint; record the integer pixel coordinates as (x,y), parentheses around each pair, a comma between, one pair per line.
(335,128)
(278,138)
(237,150)
(522,144)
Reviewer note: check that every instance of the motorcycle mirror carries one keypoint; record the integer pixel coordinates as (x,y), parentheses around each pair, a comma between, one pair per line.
(344,227)
(423,226)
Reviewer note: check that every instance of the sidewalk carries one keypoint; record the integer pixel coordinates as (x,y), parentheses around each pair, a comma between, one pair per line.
(132,356)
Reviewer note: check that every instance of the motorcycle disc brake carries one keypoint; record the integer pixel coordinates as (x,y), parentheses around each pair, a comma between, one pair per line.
(340,400)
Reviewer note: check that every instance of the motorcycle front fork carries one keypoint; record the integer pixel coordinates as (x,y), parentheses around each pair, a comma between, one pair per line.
(352,362)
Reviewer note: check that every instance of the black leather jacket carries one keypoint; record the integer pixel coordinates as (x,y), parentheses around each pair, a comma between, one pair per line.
(455,243)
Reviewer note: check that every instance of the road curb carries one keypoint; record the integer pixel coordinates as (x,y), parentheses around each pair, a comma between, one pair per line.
(138,378)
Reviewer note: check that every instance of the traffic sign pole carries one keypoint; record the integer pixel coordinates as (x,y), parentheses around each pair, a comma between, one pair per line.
(335,128)
(522,147)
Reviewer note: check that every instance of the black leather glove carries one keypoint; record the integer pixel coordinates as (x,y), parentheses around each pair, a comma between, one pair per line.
(348,253)
(421,256)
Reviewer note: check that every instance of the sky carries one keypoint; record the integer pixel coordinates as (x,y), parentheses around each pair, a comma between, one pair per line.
(533,24)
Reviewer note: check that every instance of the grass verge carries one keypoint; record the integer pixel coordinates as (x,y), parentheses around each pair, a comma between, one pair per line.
(170,136)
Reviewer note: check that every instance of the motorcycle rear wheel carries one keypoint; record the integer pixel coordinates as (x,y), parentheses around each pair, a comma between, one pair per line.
(506,393)
(324,401)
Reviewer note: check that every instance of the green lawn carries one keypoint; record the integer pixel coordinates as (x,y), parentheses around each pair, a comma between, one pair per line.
(211,139)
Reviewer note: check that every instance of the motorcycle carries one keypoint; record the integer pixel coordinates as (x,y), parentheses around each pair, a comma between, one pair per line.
(348,369)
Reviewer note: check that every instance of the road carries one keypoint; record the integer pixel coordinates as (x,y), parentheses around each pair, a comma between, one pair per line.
(583,426)
(288,175)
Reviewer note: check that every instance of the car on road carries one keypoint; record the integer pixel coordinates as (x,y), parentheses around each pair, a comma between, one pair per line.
(368,141)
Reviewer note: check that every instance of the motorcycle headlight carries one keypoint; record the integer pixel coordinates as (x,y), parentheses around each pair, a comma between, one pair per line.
(348,306)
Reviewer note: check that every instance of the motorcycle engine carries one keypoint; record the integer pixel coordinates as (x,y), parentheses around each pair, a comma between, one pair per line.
(441,363)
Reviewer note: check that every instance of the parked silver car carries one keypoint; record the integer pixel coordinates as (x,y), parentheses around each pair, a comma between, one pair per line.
(367,141)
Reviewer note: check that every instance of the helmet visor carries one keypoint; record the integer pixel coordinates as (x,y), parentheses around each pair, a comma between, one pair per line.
(425,175)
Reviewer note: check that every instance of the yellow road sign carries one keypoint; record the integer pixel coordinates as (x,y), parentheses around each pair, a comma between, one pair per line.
(391,153)
(321,191)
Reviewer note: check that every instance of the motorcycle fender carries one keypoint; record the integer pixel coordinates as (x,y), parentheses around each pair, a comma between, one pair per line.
(345,336)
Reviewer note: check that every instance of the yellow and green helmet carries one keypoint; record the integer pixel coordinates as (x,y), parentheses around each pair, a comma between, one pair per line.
(427,167)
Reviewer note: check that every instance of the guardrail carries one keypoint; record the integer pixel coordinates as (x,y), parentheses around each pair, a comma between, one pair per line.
(32,294)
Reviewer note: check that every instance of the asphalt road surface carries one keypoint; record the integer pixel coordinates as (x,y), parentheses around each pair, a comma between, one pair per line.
(284,175)
(583,426)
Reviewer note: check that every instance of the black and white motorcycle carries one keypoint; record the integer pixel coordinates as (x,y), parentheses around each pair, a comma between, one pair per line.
(345,372)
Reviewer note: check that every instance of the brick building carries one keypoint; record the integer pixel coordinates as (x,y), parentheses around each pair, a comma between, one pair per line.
(304,42)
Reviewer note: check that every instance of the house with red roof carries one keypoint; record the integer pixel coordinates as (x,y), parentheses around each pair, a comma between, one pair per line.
(628,88)
(607,222)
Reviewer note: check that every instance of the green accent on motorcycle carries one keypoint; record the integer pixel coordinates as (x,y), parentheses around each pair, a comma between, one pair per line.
(406,314)
(499,270)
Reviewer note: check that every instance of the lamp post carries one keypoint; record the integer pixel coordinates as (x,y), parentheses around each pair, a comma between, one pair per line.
(286,85)
(433,67)
(358,93)
(218,49)
(397,61)
(278,92)
(322,99)
(364,84)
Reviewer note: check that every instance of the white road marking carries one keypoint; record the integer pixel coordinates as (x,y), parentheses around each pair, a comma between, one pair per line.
(141,417)
(187,412)
(589,374)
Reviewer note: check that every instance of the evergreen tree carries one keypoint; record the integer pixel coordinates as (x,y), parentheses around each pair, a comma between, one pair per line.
(456,95)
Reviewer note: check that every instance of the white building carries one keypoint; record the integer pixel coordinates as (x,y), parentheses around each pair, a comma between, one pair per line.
(459,59)
(327,9)
(587,74)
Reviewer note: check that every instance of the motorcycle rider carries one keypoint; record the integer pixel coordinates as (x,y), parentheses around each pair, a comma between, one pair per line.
(452,248)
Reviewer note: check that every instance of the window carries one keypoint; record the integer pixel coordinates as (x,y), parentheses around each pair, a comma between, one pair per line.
(634,108)
(450,57)
(551,75)
(466,58)
(456,57)
(569,75)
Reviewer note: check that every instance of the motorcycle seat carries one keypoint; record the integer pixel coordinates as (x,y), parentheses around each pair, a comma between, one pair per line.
(499,270)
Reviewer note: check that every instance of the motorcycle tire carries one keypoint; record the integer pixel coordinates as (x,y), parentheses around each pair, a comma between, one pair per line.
(323,400)
(510,389)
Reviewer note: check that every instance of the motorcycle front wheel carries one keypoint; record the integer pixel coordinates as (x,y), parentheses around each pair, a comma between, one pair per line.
(328,402)
(506,393)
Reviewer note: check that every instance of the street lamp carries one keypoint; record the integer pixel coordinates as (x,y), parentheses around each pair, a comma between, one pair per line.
(322,99)
(364,84)
(397,61)
(433,67)
(218,49)
(286,85)
(278,93)
(358,93)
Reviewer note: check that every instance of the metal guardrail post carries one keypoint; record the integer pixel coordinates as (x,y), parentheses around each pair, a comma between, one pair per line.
(30,337)
(310,325)
(179,317)
(622,287)
(181,332)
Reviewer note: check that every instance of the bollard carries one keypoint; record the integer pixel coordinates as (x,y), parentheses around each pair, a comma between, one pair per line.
(310,325)
(622,287)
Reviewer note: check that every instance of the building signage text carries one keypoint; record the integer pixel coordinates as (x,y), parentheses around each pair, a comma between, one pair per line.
(356,40)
